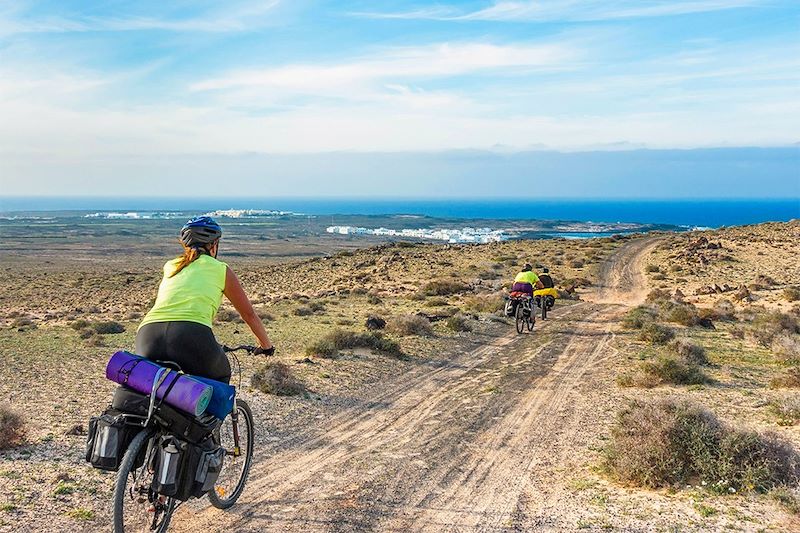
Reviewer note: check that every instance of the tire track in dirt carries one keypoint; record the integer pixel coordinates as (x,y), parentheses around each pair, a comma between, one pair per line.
(474,444)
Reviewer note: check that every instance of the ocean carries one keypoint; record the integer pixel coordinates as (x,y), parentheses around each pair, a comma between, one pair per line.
(692,213)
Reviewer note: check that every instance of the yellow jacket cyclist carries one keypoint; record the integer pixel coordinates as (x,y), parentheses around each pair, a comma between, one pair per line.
(178,327)
(526,280)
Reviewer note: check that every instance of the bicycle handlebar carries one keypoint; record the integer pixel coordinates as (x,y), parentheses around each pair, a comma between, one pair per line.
(246,347)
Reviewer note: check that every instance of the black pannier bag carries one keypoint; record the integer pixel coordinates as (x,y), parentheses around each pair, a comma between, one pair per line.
(511,307)
(186,426)
(108,438)
(184,470)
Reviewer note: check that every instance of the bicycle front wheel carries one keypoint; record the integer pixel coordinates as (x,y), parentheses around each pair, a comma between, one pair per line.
(136,506)
(238,459)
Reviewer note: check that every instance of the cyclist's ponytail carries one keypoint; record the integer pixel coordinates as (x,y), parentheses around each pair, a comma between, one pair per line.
(188,256)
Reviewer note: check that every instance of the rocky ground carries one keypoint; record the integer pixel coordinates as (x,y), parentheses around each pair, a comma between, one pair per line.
(746,264)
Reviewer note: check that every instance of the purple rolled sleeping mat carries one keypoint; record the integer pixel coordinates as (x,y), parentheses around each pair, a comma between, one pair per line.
(182,392)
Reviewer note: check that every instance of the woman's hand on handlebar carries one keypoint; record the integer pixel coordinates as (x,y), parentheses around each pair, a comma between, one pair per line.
(264,351)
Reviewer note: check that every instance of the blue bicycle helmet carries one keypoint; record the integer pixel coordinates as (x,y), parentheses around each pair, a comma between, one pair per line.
(200,231)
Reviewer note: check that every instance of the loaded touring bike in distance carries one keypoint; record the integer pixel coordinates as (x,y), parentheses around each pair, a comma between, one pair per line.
(520,307)
(164,457)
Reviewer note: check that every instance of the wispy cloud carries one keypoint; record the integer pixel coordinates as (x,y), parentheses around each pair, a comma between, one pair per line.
(567,10)
(433,61)
(230,17)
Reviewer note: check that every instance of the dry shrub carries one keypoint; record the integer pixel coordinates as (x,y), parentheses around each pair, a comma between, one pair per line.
(443,287)
(303,310)
(276,378)
(576,263)
(765,327)
(787,410)
(652,268)
(79,324)
(341,339)
(637,317)
(689,351)
(725,310)
(665,370)
(228,315)
(655,333)
(12,429)
(669,443)
(435,302)
(658,295)
(788,499)
(484,303)
(409,325)
(791,294)
(108,327)
(787,348)
(458,323)
(683,314)
(788,379)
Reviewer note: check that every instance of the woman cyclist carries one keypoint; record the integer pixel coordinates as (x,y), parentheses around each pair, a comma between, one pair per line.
(178,327)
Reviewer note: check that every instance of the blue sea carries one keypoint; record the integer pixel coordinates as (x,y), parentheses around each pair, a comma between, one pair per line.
(693,213)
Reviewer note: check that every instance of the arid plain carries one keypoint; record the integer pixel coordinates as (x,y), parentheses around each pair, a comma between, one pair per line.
(454,421)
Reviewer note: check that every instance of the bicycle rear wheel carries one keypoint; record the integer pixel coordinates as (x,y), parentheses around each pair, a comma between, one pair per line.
(236,468)
(136,506)
(520,318)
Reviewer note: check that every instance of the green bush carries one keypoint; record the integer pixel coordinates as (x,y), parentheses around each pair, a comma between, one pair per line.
(655,333)
(409,325)
(276,378)
(12,428)
(341,339)
(79,324)
(669,443)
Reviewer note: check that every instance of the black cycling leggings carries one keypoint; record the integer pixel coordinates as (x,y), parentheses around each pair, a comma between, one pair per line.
(189,344)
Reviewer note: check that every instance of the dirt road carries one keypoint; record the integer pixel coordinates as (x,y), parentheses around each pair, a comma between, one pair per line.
(488,441)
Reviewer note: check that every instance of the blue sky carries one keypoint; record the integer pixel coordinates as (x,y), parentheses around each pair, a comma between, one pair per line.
(94,96)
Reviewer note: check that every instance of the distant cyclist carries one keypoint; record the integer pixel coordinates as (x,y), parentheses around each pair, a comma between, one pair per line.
(178,327)
(526,280)
(544,277)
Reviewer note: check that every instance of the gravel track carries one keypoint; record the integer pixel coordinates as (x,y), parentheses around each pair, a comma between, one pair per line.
(481,443)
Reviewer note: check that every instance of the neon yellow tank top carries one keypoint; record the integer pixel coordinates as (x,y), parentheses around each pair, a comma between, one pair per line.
(191,295)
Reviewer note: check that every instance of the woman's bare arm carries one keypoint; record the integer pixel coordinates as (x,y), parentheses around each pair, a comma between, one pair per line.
(235,293)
